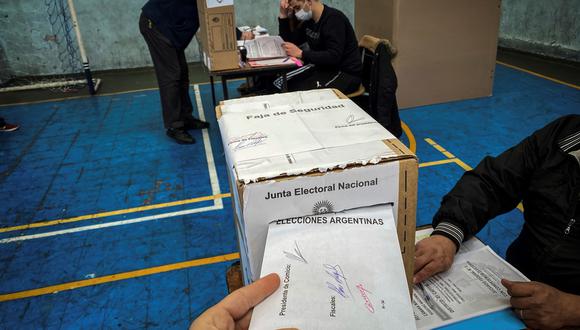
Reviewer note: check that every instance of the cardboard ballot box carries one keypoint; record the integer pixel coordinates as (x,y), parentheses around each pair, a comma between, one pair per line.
(309,153)
(217,35)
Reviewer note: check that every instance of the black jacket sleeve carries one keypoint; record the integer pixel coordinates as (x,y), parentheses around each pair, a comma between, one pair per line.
(334,38)
(495,186)
(296,36)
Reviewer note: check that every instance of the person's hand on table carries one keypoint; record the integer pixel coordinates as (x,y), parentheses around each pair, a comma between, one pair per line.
(292,50)
(235,310)
(247,35)
(284,8)
(541,306)
(433,255)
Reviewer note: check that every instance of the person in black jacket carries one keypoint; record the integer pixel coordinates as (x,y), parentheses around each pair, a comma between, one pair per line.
(544,171)
(380,82)
(168,27)
(322,36)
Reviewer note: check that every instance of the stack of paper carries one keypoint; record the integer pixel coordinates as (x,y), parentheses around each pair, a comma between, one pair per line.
(287,61)
(265,48)
(338,271)
(472,287)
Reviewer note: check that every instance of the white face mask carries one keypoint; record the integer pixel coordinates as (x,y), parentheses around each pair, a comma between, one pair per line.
(303,15)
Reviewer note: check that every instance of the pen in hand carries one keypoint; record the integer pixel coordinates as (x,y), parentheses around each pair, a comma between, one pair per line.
(426,295)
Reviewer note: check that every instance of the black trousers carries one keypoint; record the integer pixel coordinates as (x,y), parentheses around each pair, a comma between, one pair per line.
(310,77)
(342,81)
(172,75)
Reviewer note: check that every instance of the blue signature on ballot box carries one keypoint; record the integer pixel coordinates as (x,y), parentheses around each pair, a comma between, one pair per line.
(338,281)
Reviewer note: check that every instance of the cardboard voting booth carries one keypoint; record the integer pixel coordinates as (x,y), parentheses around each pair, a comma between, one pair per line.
(446,50)
(217,34)
(311,153)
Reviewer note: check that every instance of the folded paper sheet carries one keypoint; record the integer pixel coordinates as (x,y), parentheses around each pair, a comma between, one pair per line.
(260,132)
(294,98)
(268,101)
(338,271)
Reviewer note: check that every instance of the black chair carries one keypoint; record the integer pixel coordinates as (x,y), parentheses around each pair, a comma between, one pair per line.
(377,94)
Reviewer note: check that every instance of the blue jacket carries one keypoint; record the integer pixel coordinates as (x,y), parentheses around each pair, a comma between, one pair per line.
(177,20)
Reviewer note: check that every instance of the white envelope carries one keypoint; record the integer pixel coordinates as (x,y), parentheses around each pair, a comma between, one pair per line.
(338,271)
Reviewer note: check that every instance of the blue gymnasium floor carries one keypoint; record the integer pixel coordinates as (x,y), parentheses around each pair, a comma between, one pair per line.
(106,223)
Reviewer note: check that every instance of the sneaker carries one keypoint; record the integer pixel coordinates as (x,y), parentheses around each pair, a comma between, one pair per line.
(260,93)
(9,128)
(196,124)
(243,88)
(180,136)
(256,89)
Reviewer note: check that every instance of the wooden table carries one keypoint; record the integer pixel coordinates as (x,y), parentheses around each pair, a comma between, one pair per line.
(234,278)
(246,72)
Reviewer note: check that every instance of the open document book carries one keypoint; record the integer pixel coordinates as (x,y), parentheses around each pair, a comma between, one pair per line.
(470,288)
(265,48)
(337,271)
(286,61)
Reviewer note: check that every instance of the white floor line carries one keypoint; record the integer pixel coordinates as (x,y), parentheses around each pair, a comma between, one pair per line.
(110,224)
(213,177)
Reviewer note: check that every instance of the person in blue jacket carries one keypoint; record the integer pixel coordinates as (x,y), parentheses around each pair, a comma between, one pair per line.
(168,27)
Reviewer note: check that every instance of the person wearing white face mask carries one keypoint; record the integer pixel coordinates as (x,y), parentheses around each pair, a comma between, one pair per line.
(323,37)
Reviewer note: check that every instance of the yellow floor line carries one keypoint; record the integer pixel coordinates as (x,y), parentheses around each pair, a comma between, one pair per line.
(216,82)
(112,213)
(435,163)
(41,224)
(439,148)
(406,129)
(455,160)
(538,75)
(411,137)
(118,277)
(469,168)
(70,98)
(462,164)
(148,207)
